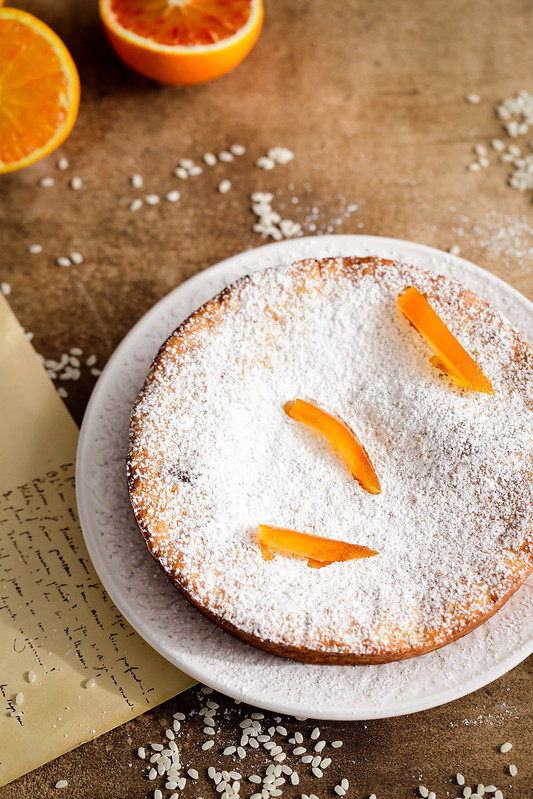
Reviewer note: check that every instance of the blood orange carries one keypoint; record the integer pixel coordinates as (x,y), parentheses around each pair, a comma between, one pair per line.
(182,41)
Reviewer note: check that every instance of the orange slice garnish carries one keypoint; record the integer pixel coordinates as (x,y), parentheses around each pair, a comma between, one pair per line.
(319,551)
(39,90)
(450,357)
(340,437)
(182,42)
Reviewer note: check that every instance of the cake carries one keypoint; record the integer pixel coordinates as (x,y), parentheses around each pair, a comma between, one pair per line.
(213,455)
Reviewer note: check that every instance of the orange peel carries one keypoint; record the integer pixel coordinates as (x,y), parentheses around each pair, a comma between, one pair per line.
(340,438)
(450,356)
(317,550)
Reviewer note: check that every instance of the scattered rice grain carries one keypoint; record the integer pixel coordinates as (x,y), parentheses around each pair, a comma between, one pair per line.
(265,163)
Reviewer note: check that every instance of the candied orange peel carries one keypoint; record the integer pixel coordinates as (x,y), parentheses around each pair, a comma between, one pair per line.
(450,356)
(340,437)
(318,551)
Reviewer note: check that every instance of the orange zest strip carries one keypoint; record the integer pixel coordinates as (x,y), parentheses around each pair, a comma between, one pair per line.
(319,551)
(340,437)
(451,358)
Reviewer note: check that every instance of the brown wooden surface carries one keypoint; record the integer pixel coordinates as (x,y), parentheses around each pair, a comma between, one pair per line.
(370,97)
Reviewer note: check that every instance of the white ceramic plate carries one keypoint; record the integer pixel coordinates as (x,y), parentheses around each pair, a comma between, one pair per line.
(171,626)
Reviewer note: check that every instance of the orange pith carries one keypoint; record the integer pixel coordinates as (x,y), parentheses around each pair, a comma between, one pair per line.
(340,437)
(318,551)
(450,356)
(182,41)
(39,90)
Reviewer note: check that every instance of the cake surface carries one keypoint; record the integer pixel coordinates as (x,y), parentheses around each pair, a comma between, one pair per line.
(212,455)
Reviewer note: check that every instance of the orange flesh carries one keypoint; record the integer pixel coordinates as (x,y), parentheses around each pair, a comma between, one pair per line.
(340,437)
(450,357)
(190,23)
(319,551)
(39,90)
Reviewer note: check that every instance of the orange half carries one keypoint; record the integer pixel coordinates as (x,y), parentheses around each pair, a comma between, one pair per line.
(39,90)
(182,42)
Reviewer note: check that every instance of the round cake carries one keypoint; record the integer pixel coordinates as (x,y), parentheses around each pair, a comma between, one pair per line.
(213,455)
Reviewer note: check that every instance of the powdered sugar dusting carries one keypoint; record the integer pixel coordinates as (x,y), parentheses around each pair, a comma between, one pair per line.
(454,507)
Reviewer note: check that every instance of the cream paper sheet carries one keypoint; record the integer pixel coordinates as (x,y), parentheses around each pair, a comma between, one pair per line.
(59,630)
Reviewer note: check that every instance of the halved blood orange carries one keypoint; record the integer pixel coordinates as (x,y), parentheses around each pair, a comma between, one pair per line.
(182,41)
(39,90)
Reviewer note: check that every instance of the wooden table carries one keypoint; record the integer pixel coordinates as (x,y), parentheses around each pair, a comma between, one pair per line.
(370,97)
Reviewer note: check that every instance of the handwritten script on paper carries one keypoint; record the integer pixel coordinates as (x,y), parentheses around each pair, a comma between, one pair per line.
(71,667)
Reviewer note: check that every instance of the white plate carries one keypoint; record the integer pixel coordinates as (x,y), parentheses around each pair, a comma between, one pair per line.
(171,626)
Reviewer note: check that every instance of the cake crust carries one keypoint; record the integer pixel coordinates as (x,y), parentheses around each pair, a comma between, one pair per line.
(212,455)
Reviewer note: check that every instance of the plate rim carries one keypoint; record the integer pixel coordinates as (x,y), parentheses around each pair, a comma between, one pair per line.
(413,705)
